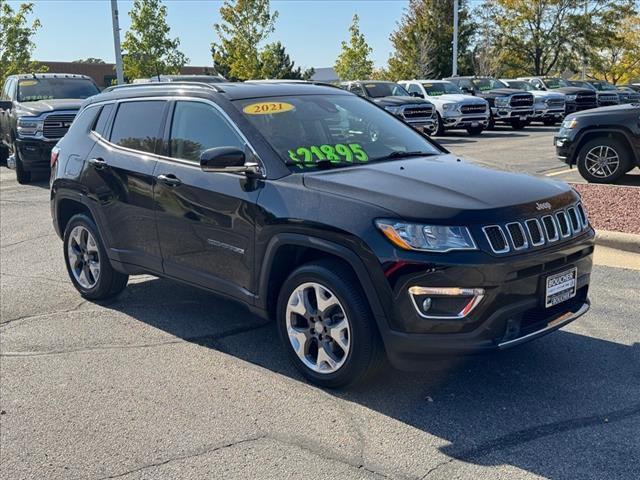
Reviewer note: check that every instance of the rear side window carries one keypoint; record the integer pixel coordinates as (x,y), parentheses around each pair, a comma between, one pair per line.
(138,125)
(101,123)
(196,127)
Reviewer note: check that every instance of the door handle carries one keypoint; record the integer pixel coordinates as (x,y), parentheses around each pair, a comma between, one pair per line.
(169,179)
(98,163)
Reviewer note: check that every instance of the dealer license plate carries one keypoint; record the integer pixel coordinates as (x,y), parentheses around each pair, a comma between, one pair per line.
(561,287)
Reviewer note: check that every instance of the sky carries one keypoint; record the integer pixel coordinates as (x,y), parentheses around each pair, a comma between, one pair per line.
(311,30)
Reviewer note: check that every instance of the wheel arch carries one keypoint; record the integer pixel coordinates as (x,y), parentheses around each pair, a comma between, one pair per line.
(613,133)
(285,252)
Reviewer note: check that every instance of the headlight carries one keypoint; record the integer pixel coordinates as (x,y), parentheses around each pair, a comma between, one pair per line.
(428,238)
(448,107)
(394,110)
(570,98)
(570,123)
(502,101)
(29,126)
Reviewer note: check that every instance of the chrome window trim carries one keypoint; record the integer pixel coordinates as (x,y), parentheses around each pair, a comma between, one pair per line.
(507,248)
(164,158)
(542,237)
(557,236)
(524,236)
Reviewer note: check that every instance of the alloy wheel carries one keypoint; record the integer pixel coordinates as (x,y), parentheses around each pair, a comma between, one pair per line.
(602,161)
(318,328)
(84,257)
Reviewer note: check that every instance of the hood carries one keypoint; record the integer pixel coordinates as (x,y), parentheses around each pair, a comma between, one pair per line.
(398,101)
(44,106)
(503,92)
(457,98)
(605,113)
(543,95)
(442,188)
(573,90)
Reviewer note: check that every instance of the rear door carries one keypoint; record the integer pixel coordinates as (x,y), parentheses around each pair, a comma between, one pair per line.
(205,219)
(119,177)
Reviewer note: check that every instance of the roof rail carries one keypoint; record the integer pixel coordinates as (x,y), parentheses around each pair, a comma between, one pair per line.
(163,84)
(293,81)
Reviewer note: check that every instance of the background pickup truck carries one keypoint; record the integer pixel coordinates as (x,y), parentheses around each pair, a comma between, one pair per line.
(36,110)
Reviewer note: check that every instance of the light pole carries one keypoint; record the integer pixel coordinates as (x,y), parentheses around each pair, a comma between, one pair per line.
(455,38)
(116,41)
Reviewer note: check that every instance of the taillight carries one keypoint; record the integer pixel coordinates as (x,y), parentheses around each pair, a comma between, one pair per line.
(55,152)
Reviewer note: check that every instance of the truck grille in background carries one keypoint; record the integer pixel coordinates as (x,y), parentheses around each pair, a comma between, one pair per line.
(57,125)
(480,108)
(608,99)
(417,112)
(586,99)
(521,100)
(534,232)
(555,103)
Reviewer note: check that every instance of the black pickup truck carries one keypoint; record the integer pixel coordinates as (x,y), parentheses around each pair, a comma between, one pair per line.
(36,110)
(508,105)
(417,112)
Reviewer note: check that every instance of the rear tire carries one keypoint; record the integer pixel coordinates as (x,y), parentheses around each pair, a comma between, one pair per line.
(603,160)
(87,263)
(318,303)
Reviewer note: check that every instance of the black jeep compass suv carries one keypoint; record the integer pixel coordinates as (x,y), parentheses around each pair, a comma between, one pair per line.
(356,233)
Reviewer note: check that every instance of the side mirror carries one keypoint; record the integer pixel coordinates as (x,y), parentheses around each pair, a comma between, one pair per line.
(227,160)
(6,105)
(416,94)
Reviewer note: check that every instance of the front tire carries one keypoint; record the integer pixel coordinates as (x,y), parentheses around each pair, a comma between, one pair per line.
(439,126)
(23,176)
(518,124)
(603,160)
(549,122)
(87,262)
(326,325)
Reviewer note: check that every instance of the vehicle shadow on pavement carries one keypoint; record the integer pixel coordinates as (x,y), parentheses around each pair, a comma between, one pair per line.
(565,406)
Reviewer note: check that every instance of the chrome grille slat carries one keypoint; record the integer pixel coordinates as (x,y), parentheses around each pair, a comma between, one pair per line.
(575,222)
(563,223)
(535,231)
(517,236)
(497,239)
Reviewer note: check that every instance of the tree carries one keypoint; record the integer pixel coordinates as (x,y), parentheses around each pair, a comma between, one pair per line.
(354,63)
(619,61)
(89,60)
(16,40)
(423,38)
(275,63)
(148,49)
(245,25)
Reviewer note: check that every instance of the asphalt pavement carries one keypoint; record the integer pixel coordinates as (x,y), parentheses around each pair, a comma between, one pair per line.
(167,381)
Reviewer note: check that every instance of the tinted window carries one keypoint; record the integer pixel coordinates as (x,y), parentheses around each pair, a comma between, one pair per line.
(101,123)
(413,88)
(357,89)
(382,89)
(197,127)
(34,89)
(138,125)
(440,88)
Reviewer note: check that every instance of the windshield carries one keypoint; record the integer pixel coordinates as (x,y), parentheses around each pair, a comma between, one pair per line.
(581,84)
(520,85)
(555,82)
(377,90)
(34,89)
(312,131)
(484,84)
(440,88)
(602,86)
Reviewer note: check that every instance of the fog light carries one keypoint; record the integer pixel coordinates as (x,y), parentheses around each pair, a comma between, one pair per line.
(426,304)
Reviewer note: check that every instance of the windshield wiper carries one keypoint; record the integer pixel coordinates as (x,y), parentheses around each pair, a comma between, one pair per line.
(398,154)
(321,164)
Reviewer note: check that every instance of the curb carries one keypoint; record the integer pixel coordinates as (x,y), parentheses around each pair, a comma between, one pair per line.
(628,242)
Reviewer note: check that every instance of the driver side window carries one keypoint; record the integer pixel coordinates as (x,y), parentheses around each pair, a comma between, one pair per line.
(196,127)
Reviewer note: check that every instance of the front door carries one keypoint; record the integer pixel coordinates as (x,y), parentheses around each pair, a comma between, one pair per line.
(205,219)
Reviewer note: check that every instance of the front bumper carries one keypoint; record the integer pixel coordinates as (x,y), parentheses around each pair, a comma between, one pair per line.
(543,113)
(510,114)
(465,121)
(564,149)
(423,124)
(511,313)
(35,154)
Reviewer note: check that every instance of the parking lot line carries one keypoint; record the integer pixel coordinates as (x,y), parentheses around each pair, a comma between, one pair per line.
(553,174)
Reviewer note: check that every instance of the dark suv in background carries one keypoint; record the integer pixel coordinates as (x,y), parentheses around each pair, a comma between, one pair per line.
(417,112)
(36,110)
(314,207)
(508,105)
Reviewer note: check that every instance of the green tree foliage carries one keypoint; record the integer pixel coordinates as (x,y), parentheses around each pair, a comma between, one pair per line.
(619,60)
(148,50)
(423,41)
(275,63)
(245,25)
(354,63)
(16,40)
(89,60)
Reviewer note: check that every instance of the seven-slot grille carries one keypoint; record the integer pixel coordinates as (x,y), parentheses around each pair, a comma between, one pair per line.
(479,108)
(521,100)
(417,112)
(535,232)
(57,125)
